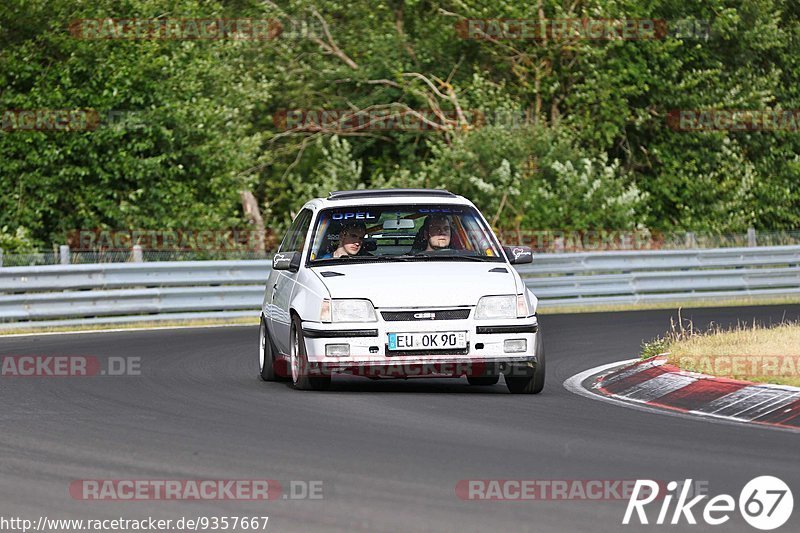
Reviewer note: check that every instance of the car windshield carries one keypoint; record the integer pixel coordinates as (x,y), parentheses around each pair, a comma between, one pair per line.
(427,232)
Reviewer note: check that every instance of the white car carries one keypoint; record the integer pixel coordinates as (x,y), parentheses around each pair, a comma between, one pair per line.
(398,283)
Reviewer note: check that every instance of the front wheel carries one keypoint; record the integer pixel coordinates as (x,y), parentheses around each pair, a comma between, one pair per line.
(298,359)
(532,380)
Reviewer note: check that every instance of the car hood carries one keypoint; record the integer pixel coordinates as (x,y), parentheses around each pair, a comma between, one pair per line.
(418,284)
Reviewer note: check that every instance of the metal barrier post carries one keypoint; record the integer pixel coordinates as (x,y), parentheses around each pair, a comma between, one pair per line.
(751,237)
(63,253)
(137,254)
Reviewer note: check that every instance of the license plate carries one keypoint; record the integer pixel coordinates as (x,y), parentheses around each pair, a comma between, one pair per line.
(442,340)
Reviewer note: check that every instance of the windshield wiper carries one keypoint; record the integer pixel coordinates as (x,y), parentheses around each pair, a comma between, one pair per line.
(360,259)
(395,257)
(451,256)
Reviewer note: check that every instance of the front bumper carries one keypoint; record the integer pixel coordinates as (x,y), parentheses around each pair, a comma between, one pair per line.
(369,354)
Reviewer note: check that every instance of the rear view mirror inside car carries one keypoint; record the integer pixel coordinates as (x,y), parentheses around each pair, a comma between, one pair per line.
(398,223)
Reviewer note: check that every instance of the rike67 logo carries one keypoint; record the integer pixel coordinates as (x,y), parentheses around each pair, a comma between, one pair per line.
(765,503)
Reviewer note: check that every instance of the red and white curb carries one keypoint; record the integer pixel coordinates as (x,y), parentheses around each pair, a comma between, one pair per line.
(655,385)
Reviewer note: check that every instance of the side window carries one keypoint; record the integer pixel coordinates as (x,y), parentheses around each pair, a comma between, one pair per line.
(296,234)
(306,215)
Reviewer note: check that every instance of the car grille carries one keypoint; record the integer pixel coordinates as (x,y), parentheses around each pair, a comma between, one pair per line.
(422,314)
(424,353)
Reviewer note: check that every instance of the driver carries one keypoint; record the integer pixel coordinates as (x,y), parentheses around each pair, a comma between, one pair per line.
(351,241)
(436,231)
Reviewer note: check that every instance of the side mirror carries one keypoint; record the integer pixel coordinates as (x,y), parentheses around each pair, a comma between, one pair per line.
(287,261)
(519,255)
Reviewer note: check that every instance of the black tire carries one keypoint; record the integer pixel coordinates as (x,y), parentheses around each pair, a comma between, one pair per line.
(483,381)
(267,367)
(265,362)
(301,376)
(533,381)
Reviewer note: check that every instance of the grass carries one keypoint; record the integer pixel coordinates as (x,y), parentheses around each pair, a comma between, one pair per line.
(747,352)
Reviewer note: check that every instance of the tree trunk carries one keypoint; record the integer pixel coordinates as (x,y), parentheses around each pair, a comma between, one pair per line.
(253,214)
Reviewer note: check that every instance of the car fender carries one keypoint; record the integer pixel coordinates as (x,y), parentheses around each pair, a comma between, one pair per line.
(533,301)
(307,296)
(267,300)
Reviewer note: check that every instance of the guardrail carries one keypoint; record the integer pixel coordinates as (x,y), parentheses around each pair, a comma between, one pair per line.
(131,292)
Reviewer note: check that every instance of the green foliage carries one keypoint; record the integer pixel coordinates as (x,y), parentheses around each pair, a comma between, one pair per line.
(17,242)
(337,171)
(590,194)
(178,159)
(657,346)
(574,137)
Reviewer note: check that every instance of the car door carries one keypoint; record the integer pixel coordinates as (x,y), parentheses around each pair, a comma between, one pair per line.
(283,282)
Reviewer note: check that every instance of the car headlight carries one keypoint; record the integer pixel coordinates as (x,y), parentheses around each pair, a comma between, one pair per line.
(509,306)
(347,311)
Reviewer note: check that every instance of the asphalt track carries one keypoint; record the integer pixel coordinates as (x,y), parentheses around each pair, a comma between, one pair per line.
(389,453)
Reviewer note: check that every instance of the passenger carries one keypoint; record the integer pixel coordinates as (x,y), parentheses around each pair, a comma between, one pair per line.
(351,241)
(434,234)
